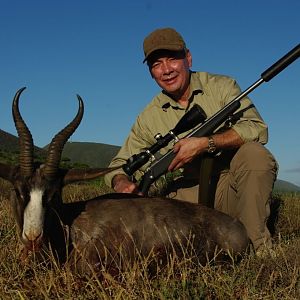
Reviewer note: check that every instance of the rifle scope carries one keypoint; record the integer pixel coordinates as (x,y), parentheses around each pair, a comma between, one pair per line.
(193,117)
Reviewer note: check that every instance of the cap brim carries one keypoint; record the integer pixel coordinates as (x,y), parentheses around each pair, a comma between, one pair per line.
(163,47)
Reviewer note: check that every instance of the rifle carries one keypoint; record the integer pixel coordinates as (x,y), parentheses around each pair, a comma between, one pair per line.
(160,166)
(193,117)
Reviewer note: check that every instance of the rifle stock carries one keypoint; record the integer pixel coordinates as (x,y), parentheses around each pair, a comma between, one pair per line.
(160,166)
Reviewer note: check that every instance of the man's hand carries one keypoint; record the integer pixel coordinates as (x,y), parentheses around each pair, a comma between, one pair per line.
(121,184)
(187,149)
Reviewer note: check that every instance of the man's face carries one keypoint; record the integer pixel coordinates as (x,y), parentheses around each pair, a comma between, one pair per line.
(171,71)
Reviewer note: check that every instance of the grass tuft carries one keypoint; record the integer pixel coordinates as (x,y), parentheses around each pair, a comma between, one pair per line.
(271,277)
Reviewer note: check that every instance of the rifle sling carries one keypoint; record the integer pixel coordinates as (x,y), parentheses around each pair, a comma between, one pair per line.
(206,192)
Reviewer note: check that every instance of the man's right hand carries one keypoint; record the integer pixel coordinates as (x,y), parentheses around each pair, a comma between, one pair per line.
(121,184)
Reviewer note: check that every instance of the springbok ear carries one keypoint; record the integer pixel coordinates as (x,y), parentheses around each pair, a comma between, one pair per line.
(74,175)
(7,172)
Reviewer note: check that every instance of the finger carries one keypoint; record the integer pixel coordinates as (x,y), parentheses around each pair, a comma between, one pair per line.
(132,188)
(174,164)
(177,166)
(171,165)
(177,146)
(176,161)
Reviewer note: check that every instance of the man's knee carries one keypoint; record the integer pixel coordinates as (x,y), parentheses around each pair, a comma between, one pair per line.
(253,156)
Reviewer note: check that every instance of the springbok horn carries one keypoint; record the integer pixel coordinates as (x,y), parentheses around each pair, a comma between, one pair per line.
(58,142)
(25,138)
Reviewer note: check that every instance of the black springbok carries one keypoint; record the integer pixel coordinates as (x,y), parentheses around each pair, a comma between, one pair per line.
(93,233)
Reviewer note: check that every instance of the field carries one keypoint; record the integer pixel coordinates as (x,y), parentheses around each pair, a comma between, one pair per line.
(269,277)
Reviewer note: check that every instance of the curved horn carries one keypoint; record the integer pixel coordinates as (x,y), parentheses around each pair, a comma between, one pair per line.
(58,142)
(25,138)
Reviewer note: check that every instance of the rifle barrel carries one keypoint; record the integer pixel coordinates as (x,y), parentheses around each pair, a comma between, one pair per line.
(281,64)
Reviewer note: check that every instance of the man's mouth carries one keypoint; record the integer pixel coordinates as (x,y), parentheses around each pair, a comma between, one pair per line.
(170,80)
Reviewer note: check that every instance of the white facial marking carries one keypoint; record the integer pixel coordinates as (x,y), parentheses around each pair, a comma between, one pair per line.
(34,216)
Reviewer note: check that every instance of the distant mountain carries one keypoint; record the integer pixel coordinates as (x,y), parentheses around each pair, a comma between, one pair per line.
(10,144)
(8,141)
(91,154)
(285,186)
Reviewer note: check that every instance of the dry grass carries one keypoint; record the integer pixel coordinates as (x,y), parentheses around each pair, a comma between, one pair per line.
(252,278)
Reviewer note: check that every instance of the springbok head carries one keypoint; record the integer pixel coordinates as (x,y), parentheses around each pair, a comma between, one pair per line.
(38,186)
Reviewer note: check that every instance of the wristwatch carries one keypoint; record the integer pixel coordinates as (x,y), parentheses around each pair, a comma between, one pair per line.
(211,145)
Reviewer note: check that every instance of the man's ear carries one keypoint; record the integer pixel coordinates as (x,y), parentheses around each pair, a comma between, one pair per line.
(149,68)
(189,57)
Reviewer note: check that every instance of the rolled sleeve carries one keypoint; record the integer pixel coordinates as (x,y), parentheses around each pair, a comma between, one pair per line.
(134,144)
(250,126)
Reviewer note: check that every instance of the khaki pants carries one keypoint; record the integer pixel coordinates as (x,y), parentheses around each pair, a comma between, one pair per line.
(244,191)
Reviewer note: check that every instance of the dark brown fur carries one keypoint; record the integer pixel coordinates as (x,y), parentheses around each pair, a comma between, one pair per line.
(114,230)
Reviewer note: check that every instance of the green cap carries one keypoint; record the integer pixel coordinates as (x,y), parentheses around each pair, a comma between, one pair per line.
(163,39)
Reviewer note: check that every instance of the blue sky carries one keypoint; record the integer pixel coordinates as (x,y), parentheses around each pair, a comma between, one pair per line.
(58,49)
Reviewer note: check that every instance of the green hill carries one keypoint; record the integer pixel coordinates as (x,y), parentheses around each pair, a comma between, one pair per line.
(285,186)
(91,154)
(8,142)
(9,148)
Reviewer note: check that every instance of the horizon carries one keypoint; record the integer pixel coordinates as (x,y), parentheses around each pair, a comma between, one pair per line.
(59,49)
(79,142)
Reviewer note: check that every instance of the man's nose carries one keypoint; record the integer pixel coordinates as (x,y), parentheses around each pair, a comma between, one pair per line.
(167,68)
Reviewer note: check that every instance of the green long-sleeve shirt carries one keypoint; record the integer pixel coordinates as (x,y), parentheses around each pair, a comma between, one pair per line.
(211,92)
